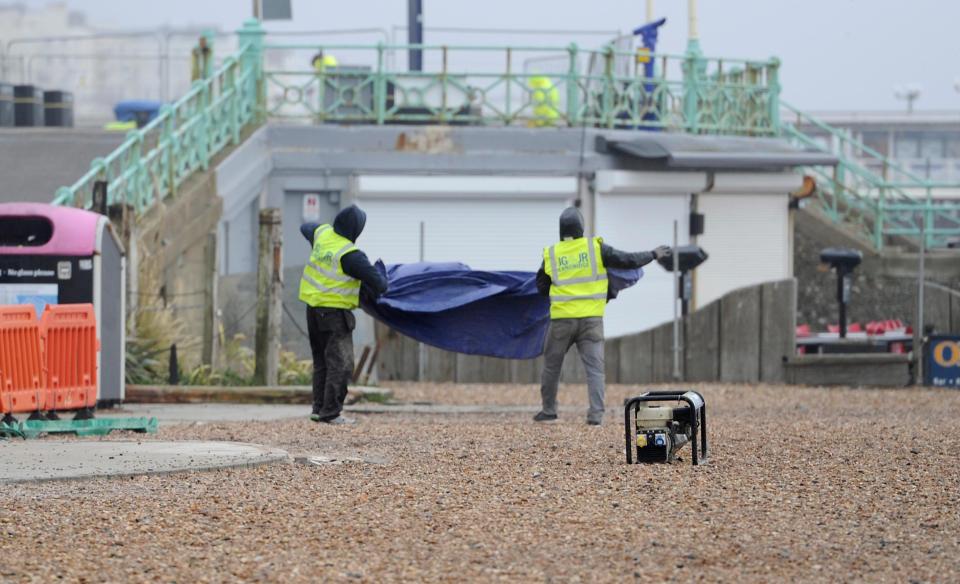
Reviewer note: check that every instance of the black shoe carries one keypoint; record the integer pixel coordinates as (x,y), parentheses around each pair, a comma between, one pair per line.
(594,422)
(542,417)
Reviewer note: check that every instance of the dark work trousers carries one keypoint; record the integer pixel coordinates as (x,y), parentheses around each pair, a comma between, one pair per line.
(331,342)
(587,334)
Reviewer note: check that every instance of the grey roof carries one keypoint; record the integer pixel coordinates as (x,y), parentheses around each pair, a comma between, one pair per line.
(684,151)
(34,163)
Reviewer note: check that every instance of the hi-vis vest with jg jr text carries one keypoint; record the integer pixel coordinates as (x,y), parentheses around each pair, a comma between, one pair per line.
(324,283)
(578,278)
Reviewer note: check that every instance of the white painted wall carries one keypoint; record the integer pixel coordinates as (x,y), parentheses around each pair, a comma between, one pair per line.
(489,223)
(747,232)
(635,212)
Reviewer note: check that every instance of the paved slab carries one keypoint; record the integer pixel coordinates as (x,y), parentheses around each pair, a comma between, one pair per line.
(221,412)
(210,413)
(45,460)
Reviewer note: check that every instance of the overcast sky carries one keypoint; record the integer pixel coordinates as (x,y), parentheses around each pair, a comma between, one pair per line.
(837,54)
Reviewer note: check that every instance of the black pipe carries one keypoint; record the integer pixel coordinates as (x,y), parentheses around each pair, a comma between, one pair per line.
(842,299)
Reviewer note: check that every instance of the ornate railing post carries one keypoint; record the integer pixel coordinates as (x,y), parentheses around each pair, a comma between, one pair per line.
(168,140)
(131,171)
(773,92)
(879,219)
(99,165)
(202,128)
(380,88)
(251,45)
(208,37)
(693,70)
(231,80)
(573,87)
(609,89)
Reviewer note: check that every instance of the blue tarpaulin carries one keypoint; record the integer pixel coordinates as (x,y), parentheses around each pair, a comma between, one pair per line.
(450,306)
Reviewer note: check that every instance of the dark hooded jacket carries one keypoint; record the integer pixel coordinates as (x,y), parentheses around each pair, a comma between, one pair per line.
(571,226)
(349,223)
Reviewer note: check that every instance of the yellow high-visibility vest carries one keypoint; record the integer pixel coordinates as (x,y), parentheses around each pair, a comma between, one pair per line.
(545,99)
(324,283)
(327,62)
(578,278)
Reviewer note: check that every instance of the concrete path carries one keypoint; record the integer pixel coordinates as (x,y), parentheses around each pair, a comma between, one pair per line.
(220,412)
(44,460)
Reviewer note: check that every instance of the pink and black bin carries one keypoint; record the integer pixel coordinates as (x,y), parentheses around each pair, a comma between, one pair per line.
(62,255)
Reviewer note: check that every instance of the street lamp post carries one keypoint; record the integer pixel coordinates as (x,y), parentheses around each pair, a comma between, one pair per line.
(908,93)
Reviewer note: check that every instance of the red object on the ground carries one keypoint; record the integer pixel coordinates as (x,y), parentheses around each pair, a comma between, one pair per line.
(22,379)
(50,365)
(70,346)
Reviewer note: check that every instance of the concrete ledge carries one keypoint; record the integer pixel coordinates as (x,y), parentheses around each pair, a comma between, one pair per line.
(866,370)
(290,394)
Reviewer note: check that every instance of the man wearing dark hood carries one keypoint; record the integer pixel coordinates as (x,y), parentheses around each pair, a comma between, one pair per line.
(574,276)
(330,287)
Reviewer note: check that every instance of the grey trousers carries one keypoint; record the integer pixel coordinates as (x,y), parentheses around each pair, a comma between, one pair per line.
(587,333)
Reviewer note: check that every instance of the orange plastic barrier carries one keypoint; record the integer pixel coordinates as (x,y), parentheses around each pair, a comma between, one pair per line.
(22,371)
(70,346)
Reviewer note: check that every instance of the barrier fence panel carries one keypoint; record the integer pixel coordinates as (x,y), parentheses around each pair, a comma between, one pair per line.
(22,379)
(69,335)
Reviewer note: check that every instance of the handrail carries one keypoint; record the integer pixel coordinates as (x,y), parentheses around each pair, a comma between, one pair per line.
(882,207)
(153,161)
(604,87)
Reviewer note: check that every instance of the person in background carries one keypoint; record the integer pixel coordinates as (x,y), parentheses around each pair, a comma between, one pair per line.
(321,62)
(330,287)
(574,276)
(545,99)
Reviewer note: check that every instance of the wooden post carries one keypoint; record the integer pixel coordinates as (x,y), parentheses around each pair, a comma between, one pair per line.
(211,328)
(269,297)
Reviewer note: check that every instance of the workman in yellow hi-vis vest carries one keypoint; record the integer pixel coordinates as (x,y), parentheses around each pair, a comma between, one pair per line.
(322,62)
(545,99)
(574,275)
(330,287)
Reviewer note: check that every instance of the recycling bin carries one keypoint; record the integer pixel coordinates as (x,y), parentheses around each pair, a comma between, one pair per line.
(63,255)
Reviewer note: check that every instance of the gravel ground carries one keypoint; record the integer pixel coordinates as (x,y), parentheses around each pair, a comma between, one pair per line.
(803,485)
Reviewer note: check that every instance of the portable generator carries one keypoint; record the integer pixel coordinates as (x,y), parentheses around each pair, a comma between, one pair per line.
(658,424)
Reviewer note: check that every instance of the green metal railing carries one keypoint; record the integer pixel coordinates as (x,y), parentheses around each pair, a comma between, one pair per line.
(155,160)
(893,202)
(509,86)
(605,88)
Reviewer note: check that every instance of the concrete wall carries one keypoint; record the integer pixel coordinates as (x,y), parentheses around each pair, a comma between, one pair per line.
(884,286)
(745,336)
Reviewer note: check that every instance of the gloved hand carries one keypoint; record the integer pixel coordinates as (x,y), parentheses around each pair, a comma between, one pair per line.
(368,295)
(662,251)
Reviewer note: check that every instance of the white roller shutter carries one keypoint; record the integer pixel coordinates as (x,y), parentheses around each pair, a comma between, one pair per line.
(640,222)
(747,238)
(489,223)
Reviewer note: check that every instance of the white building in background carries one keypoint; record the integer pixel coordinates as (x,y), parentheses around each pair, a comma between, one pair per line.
(55,48)
(925,143)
